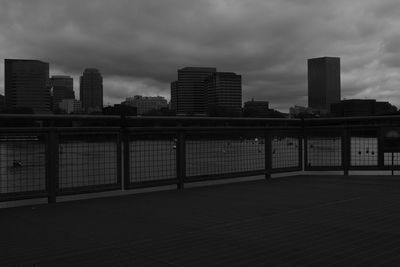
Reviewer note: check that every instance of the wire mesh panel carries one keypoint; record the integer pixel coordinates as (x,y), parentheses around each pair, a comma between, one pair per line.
(213,154)
(390,159)
(88,160)
(22,163)
(324,150)
(363,148)
(152,158)
(285,150)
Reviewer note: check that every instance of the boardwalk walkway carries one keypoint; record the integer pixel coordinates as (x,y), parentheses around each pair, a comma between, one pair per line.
(294,221)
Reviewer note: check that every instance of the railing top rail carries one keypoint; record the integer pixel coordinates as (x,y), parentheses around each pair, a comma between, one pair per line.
(139,118)
(361,118)
(58,117)
(183,119)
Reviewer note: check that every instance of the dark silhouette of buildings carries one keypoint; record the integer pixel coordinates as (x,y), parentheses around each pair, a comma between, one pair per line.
(2,103)
(323,82)
(91,90)
(361,107)
(27,85)
(189,92)
(201,91)
(223,94)
(62,88)
(145,104)
(120,109)
(173,103)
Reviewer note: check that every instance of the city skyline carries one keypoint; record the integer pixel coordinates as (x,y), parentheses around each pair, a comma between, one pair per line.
(267,42)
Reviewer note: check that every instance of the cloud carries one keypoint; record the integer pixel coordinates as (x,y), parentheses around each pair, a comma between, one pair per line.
(138,45)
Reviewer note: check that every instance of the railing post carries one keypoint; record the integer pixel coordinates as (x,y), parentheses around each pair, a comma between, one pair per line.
(126,155)
(181,160)
(52,165)
(346,151)
(381,153)
(268,155)
(302,141)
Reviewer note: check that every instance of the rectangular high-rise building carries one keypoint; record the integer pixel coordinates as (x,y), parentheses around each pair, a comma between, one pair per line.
(323,82)
(190,92)
(223,94)
(2,103)
(27,85)
(91,90)
(62,88)
(173,102)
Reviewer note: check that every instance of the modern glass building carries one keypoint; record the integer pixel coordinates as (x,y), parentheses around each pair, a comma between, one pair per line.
(91,90)
(323,82)
(190,93)
(224,94)
(62,88)
(27,85)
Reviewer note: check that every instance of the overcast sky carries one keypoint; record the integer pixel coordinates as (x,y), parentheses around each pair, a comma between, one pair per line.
(138,45)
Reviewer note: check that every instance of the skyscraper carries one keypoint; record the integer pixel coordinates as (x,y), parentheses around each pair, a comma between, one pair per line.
(224,94)
(323,82)
(91,90)
(27,85)
(173,102)
(63,88)
(190,92)
(2,102)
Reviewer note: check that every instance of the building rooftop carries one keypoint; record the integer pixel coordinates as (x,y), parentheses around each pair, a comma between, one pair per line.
(198,69)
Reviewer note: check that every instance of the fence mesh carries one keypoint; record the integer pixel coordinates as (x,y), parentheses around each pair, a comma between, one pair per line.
(388,159)
(152,158)
(22,163)
(363,151)
(87,160)
(324,151)
(285,151)
(212,154)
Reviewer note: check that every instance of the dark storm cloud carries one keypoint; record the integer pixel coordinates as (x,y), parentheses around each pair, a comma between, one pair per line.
(138,45)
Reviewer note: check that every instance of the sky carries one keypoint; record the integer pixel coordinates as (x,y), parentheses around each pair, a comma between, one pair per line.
(138,45)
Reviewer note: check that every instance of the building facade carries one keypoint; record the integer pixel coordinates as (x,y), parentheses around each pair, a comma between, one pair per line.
(300,111)
(223,92)
(62,88)
(2,102)
(256,108)
(145,104)
(323,83)
(27,85)
(91,90)
(173,102)
(190,93)
(70,106)
(361,107)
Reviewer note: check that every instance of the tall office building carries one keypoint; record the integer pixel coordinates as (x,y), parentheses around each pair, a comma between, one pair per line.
(62,88)
(323,82)
(27,85)
(173,102)
(91,90)
(190,92)
(70,106)
(223,94)
(2,102)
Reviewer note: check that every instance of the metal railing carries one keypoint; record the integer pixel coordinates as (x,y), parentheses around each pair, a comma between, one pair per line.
(59,158)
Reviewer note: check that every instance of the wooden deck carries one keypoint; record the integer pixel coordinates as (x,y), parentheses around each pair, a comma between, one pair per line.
(294,221)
